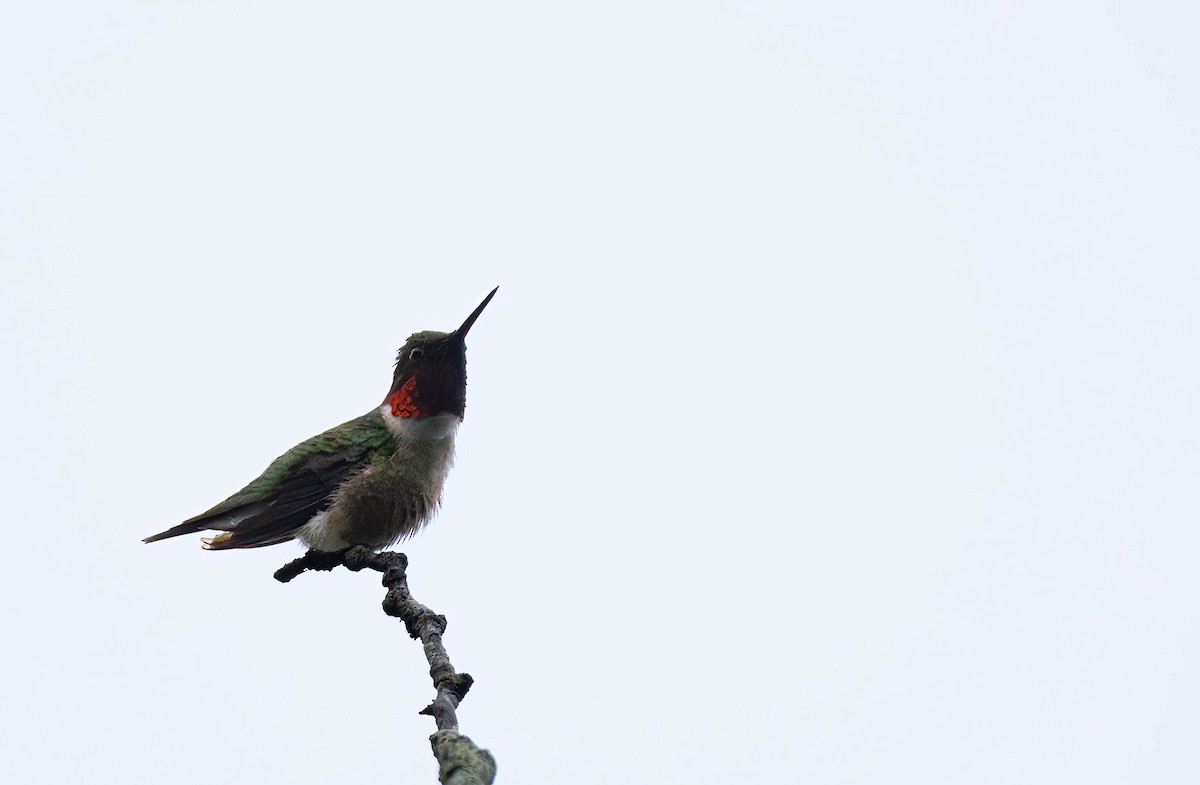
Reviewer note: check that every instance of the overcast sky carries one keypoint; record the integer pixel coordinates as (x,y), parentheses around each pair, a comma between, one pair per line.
(835,421)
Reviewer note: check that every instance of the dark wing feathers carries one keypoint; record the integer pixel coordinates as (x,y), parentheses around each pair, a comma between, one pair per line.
(295,487)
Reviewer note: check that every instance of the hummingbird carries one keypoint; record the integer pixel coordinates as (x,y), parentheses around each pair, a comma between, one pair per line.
(371,481)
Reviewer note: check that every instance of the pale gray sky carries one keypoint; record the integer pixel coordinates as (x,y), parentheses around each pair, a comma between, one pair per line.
(835,421)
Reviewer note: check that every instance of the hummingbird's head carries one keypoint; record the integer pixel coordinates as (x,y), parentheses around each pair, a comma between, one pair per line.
(431,372)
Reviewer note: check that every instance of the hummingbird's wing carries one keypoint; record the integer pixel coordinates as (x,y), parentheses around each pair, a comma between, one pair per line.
(295,487)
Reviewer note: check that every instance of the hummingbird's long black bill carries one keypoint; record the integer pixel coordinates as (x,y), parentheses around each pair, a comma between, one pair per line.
(461,332)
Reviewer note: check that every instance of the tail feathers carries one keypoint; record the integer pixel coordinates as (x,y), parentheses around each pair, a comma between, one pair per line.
(250,526)
(175,531)
(227,540)
(225,521)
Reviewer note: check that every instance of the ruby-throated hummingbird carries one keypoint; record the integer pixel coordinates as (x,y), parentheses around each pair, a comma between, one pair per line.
(371,481)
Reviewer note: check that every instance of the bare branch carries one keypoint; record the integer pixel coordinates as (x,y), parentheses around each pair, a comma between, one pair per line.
(459,761)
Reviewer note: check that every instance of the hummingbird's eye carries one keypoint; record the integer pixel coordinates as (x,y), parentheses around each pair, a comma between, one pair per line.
(415,354)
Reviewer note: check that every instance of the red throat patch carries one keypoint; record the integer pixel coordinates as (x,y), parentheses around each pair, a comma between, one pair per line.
(404,400)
